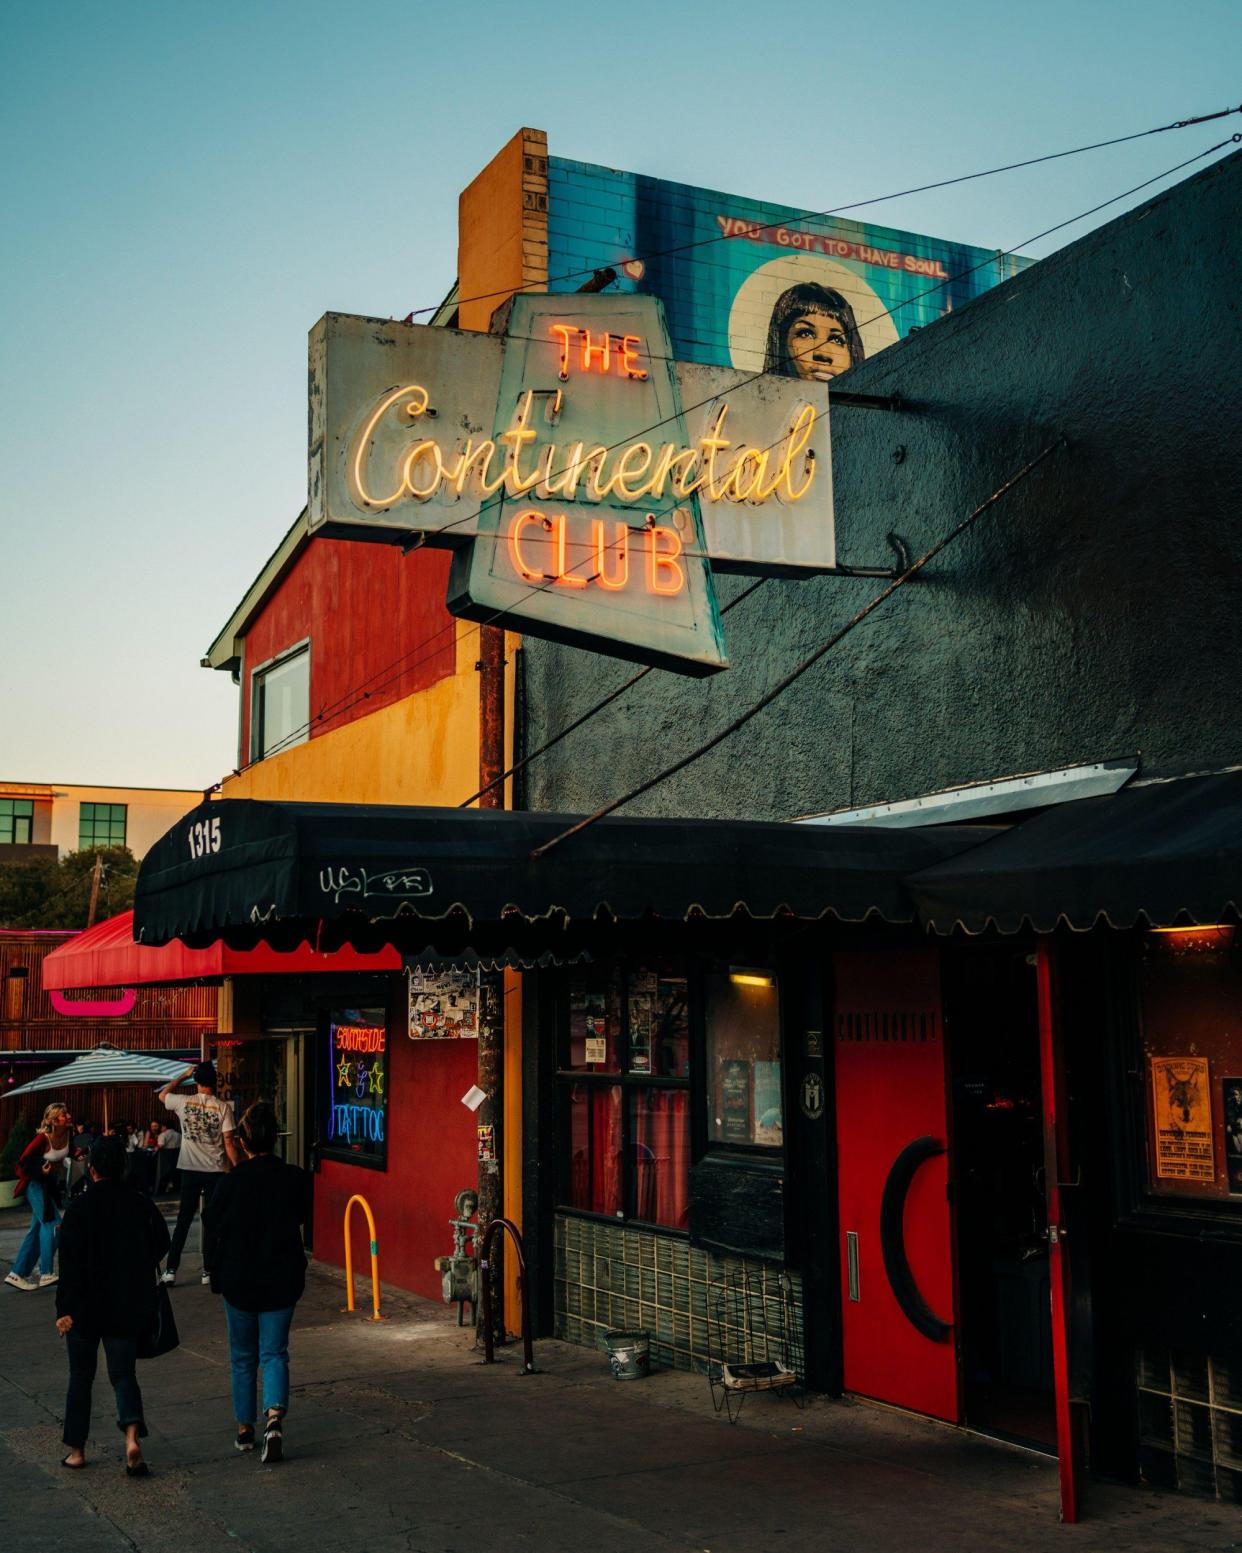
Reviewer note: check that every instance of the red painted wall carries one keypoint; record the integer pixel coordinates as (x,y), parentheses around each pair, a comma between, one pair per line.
(432,1150)
(376,622)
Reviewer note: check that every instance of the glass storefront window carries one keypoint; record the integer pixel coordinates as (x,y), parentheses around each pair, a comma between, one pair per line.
(595,1148)
(659,1023)
(1190,1000)
(660,1133)
(594,1026)
(623,1093)
(744,1103)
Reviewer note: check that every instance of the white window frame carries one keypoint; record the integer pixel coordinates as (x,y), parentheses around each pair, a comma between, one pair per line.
(257,677)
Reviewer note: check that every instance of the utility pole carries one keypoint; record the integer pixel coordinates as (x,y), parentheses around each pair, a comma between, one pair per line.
(95,878)
(491,1001)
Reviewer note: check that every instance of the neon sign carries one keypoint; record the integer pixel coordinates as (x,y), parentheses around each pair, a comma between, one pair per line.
(624,349)
(357,1112)
(718,467)
(588,485)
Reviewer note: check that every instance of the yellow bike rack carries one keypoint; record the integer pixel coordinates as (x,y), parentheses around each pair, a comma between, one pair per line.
(349,1259)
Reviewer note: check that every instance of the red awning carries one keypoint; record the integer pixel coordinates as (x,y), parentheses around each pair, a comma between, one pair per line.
(107,956)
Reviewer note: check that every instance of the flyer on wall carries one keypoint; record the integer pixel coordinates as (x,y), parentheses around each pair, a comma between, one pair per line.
(1182,1119)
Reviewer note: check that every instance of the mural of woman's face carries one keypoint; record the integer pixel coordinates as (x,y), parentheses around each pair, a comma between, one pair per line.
(816,347)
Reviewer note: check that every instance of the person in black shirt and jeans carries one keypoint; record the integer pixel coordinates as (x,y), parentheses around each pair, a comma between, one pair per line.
(111,1242)
(253,1246)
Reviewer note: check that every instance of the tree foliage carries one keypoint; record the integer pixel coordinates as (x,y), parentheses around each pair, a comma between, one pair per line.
(20,1135)
(57,895)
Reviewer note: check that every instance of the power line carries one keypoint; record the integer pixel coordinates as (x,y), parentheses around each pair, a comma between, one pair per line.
(807,663)
(836,210)
(613,695)
(345,704)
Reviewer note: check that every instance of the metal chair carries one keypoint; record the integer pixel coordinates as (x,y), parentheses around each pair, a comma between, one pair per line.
(755,1340)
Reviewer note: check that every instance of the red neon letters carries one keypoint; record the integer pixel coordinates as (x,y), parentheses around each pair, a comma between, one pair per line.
(598,353)
(359,1038)
(544,549)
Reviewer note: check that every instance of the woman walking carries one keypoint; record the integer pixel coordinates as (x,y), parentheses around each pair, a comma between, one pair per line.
(40,1181)
(253,1241)
(111,1243)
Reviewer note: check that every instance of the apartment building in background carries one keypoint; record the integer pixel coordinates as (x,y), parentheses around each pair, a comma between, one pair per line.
(52,819)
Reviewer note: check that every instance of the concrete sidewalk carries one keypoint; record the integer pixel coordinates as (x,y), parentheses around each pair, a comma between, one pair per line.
(398,1438)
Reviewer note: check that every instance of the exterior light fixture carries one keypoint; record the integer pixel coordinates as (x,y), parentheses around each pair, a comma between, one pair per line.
(741,976)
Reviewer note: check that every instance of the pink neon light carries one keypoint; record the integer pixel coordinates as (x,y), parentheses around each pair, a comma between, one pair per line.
(95,1008)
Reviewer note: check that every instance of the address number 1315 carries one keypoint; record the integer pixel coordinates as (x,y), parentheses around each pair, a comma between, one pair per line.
(204,836)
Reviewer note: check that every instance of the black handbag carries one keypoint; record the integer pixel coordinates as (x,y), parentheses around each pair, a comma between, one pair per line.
(161,1336)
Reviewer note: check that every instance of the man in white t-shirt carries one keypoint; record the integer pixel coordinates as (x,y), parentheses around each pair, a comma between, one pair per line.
(207,1151)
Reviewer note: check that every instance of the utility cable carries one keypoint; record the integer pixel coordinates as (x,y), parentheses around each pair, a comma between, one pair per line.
(346,704)
(807,663)
(836,210)
(613,695)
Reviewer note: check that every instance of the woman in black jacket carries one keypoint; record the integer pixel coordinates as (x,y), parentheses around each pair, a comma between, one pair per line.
(111,1242)
(253,1247)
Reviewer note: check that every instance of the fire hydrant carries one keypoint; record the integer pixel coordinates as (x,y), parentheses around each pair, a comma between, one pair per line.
(460,1271)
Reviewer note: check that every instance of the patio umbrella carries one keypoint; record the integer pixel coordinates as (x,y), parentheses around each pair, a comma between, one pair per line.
(105,1065)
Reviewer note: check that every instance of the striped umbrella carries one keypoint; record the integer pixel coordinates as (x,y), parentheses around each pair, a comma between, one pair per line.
(105,1065)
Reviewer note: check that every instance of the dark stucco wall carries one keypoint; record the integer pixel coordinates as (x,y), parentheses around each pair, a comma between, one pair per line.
(1094,613)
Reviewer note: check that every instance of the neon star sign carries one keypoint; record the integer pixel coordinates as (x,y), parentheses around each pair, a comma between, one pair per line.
(588,485)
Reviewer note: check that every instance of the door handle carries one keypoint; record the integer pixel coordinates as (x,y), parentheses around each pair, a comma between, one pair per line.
(851,1264)
(914,1307)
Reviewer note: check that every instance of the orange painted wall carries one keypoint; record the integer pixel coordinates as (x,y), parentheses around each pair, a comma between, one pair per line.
(502,228)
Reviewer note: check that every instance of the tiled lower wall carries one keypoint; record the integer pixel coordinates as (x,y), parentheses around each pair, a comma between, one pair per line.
(614,1278)
(1190,1421)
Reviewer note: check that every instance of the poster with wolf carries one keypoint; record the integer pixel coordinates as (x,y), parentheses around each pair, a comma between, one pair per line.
(1182,1119)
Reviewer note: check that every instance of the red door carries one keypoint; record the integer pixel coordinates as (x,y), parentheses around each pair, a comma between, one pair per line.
(897,1285)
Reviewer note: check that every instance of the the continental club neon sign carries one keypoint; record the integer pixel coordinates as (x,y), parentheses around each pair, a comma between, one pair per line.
(557,462)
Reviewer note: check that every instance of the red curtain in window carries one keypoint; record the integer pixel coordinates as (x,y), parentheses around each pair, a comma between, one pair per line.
(595,1142)
(662,1157)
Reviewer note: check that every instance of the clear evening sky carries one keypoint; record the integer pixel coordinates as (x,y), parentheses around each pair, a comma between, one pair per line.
(186,189)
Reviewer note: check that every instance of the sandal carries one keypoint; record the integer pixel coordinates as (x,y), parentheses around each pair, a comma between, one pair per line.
(136,1469)
(245,1438)
(74,1466)
(273,1440)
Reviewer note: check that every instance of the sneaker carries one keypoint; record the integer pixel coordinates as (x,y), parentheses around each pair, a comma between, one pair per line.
(273,1442)
(245,1439)
(206,1280)
(18,1282)
(168,1277)
(47,1279)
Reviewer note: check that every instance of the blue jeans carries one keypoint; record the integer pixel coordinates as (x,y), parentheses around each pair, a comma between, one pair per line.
(258,1338)
(120,1353)
(40,1238)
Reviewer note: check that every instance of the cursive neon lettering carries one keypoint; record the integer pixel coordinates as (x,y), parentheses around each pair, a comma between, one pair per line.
(717,468)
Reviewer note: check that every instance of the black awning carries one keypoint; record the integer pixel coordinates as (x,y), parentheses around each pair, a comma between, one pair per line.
(1155,855)
(246,871)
